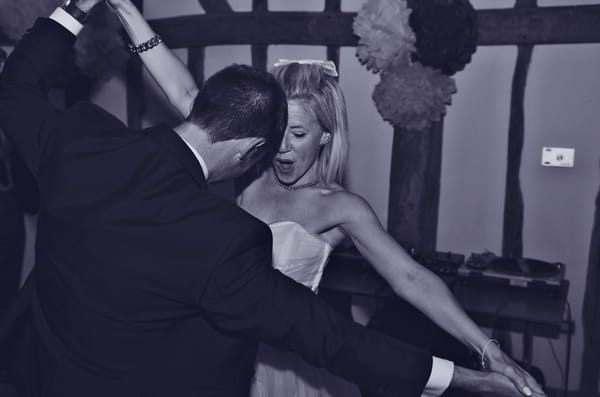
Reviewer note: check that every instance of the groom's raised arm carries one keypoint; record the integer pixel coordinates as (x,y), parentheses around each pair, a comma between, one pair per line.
(41,60)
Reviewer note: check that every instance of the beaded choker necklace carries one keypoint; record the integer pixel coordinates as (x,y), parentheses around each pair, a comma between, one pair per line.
(295,187)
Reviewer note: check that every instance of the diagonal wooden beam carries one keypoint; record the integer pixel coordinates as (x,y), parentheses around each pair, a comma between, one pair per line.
(215,6)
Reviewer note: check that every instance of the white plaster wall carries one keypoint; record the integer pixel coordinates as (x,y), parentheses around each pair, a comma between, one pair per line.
(563,103)
(561,109)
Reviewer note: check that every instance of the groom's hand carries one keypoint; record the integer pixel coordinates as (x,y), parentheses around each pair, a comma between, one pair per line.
(485,383)
(503,364)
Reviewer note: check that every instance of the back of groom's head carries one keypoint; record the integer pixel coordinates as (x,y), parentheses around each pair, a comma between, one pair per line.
(239,102)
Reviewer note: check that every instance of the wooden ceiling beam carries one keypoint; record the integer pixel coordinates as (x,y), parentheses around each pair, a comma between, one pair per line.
(320,28)
(542,25)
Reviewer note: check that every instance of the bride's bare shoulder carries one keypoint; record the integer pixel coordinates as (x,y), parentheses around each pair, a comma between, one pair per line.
(344,203)
(338,199)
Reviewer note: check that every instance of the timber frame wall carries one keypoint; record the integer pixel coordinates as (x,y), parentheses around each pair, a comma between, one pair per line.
(416,157)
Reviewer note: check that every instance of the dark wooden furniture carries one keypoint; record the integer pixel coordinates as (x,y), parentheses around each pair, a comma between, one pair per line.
(525,311)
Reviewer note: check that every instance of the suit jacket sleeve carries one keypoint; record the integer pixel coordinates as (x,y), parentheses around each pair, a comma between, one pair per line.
(41,60)
(246,296)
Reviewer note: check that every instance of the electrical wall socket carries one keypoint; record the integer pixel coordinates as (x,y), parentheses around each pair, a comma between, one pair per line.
(558,157)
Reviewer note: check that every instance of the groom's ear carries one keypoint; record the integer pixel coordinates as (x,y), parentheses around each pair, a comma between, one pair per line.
(250,148)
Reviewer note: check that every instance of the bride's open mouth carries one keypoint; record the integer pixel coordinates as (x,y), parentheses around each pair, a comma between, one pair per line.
(284,166)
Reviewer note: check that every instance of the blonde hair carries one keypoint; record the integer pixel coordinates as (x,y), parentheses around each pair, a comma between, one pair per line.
(321,94)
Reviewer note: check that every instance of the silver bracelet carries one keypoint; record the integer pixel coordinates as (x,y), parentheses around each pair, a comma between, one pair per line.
(145,46)
(484,364)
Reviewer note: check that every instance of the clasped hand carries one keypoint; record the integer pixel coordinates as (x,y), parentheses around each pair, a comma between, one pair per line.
(502,364)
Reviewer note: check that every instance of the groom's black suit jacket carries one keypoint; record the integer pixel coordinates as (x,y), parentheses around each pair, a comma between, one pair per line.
(146,283)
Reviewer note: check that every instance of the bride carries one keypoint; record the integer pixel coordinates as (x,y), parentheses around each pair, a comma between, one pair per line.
(301,197)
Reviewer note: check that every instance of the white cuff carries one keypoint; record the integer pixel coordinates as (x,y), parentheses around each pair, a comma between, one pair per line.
(67,21)
(440,377)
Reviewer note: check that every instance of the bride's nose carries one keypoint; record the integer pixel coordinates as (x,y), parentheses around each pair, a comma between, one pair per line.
(285,144)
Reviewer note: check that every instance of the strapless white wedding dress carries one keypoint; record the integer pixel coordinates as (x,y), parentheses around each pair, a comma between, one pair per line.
(302,256)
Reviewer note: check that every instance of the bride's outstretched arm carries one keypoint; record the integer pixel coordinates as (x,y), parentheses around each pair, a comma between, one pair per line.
(168,71)
(420,287)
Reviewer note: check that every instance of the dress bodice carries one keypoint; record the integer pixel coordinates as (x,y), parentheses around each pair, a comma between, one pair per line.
(299,254)
(302,256)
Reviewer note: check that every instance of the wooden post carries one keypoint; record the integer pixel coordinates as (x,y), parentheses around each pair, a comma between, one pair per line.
(590,368)
(333,51)
(195,64)
(197,54)
(512,232)
(415,187)
(260,51)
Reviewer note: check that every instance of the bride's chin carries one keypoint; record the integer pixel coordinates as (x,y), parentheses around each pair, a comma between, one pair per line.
(282,177)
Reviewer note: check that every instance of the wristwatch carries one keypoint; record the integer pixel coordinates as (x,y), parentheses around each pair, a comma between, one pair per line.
(71,8)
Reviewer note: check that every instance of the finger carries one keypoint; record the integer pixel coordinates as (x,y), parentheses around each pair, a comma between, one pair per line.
(518,381)
(533,384)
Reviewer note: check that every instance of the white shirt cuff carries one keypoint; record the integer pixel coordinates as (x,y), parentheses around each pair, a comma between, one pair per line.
(67,21)
(440,377)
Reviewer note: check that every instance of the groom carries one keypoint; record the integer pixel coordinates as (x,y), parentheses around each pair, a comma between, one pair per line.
(145,283)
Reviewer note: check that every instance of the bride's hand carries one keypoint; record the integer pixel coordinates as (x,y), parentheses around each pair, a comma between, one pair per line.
(501,363)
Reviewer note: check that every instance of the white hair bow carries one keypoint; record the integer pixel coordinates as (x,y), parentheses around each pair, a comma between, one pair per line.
(328,66)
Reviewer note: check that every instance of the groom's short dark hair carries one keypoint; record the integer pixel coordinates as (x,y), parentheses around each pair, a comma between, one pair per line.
(240,101)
